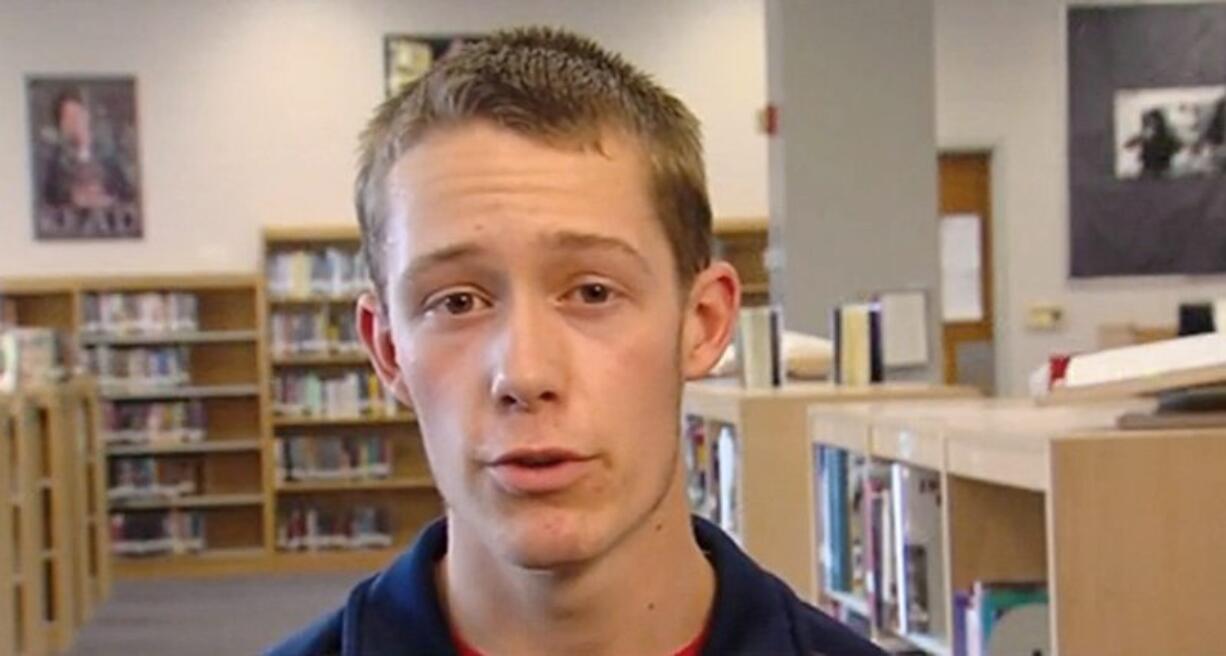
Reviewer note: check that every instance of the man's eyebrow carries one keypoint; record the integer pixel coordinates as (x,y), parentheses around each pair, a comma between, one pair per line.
(422,263)
(570,240)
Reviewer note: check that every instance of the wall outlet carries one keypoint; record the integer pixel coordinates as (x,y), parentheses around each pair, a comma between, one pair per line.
(1044,317)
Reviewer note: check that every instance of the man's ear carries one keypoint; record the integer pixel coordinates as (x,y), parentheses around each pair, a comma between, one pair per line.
(376,335)
(710,318)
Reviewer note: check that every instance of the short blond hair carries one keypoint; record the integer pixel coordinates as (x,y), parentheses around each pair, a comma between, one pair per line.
(559,87)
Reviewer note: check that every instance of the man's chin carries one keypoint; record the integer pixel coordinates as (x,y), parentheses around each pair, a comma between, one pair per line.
(552,543)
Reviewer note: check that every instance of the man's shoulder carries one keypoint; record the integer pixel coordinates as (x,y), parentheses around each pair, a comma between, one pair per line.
(816,634)
(756,612)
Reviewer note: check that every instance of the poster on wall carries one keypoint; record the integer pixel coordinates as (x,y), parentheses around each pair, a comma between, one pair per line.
(407,57)
(1147,158)
(84,158)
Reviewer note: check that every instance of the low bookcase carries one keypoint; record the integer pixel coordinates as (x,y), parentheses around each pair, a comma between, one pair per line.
(1109,536)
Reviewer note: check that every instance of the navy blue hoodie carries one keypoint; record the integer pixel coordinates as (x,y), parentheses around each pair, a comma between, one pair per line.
(396,613)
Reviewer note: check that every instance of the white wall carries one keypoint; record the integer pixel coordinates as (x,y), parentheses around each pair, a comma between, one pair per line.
(249,110)
(1001,84)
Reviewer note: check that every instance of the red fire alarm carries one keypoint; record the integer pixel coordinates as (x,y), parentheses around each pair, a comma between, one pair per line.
(768,119)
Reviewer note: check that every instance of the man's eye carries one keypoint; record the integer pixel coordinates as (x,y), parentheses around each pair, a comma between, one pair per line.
(594,293)
(459,303)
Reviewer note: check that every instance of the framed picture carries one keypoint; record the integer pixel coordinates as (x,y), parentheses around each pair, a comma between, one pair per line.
(84,158)
(1146,147)
(407,57)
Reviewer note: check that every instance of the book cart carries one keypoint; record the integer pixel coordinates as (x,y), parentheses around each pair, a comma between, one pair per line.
(746,464)
(1116,532)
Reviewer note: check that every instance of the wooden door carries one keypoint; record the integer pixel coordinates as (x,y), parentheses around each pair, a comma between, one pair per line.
(966,200)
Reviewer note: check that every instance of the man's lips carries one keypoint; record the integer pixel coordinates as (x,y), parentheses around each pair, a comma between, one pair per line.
(524,472)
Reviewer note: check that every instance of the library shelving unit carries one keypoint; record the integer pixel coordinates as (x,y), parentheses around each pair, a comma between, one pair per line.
(215,357)
(50,568)
(1118,528)
(754,442)
(91,551)
(219,390)
(23,600)
(313,277)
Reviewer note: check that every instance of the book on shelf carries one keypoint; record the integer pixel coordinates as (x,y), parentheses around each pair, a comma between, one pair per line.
(727,457)
(881,581)
(138,367)
(1001,618)
(835,552)
(306,527)
(135,479)
(918,549)
(154,423)
(333,458)
(157,533)
(696,450)
(139,313)
(327,272)
(314,332)
(856,328)
(354,393)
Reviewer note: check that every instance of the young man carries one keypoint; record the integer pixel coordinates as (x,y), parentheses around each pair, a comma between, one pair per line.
(535,215)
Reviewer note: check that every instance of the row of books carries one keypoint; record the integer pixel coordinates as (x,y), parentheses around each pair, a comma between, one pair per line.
(352,393)
(881,539)
(1001,617)
(139,313)
(712,483)
(139,366)
(311,528)
(323,272)
(318,331)
(158,422)
(157,533)
(333,458)
(134,479)
(29,356)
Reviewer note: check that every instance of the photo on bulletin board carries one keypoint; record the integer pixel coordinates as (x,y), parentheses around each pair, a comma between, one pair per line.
(1146,147)
(84,158)
(407,57)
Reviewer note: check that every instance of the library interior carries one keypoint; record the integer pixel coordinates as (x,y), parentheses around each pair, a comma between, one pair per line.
(931,391)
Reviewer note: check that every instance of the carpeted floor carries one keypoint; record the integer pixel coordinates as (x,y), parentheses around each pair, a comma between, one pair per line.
(207,617)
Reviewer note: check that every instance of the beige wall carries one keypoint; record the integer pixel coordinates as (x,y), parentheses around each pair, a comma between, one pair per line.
(1001,85)
(249,109)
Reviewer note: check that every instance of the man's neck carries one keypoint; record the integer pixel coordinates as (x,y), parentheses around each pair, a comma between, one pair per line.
(650,594)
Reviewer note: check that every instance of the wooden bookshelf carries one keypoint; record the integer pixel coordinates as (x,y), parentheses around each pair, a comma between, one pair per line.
(224,352)
(1114,522)
(53,567)
(408,495)
(358,420)
(193,337)
(90,542)
(770,428)
(403,483)
(208,446)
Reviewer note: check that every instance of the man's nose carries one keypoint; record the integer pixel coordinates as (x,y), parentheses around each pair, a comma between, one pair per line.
(528,358)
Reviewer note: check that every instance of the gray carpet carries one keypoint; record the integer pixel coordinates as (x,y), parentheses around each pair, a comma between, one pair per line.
(217,617)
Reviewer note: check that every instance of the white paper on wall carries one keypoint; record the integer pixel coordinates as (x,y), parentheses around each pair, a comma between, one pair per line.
(961,277)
